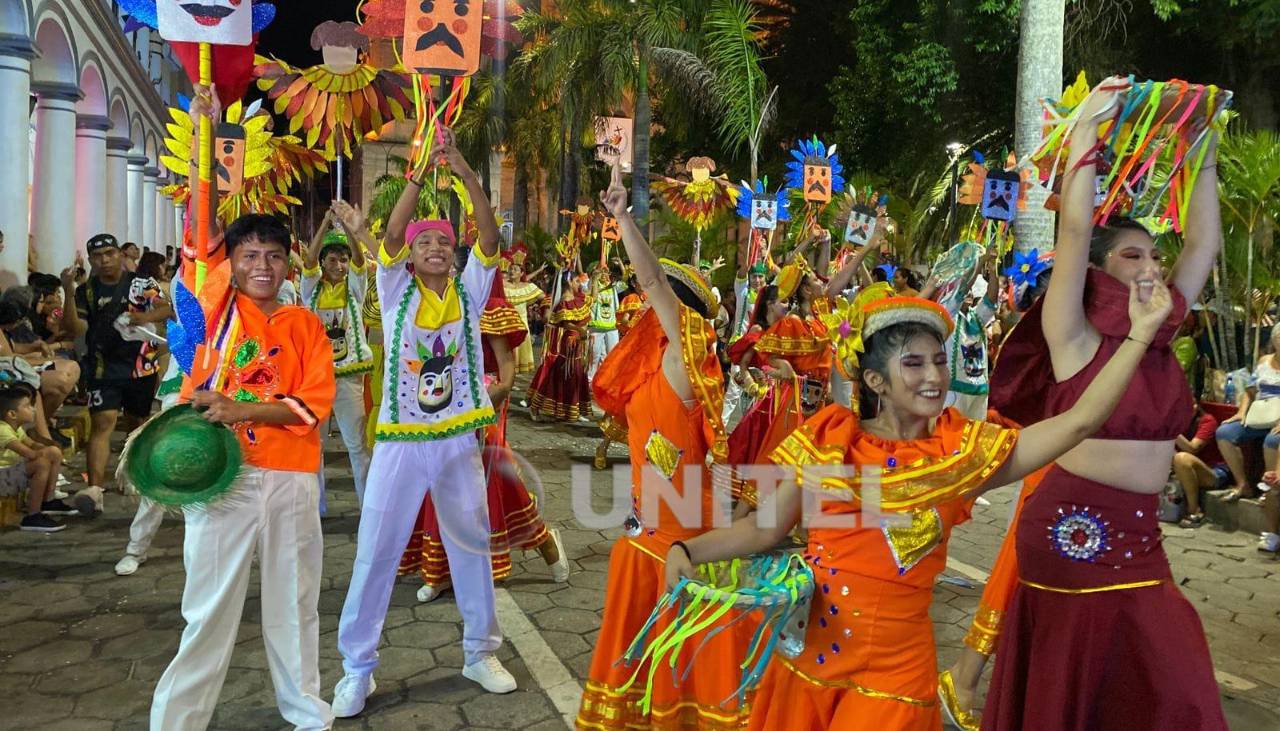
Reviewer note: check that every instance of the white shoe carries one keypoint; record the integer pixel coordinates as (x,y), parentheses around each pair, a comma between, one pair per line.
(350,694)
(1269,542)
(429,593)
(59,495)
(982,501)
(559,569)
(88,501)
(490,674)
(62,480)
(129,564)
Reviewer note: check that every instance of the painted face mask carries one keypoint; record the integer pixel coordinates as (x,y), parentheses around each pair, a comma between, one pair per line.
(435,375)
(442,36)
(224,22)
(1000,195)
(764,214)
(861,226)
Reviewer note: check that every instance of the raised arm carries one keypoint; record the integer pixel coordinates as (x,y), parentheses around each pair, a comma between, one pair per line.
(352,221)
(840,282)
(1202,236)
(1070,339)
(1045,441)
(446,151)
(403,213)
(311,255)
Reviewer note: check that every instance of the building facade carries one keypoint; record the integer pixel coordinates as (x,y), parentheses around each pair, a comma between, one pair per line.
(83,108)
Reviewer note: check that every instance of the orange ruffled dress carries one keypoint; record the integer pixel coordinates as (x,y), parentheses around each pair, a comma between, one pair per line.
(664,434)
(869,660)
(805,345)
(514,520)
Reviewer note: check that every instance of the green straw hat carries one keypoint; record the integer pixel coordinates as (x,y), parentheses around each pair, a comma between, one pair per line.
(178,459)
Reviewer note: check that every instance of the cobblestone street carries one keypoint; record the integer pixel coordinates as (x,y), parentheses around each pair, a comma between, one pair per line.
(82,648)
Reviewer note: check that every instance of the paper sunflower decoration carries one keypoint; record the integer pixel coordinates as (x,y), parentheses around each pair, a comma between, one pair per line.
(700,200)
(1167,121)
(340,101)
(272,164)
(1026,268)
(844,326)
(815,171)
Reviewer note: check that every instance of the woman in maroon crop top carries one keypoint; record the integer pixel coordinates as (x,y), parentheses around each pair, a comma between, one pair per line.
(1096,635)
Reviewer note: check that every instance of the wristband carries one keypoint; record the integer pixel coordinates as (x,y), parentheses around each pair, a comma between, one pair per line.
(1142,342)
(682,547)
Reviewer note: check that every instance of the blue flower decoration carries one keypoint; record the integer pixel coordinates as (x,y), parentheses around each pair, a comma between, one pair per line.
(1026,268)
(188,330)
(143,13)
(749,194)
(811,152)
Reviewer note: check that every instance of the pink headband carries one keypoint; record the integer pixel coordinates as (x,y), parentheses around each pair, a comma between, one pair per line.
(430,224)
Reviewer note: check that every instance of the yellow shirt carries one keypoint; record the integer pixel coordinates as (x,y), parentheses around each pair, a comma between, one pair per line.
(8,434)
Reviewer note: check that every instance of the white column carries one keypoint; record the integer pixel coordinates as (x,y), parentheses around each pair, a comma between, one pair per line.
(135,167)
(163,224)
(15,148)
(53,217)
(179,223)
(118,187)
(91,177)
(148,239)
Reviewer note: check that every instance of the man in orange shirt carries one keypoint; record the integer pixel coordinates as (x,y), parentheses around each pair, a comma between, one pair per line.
(273,385)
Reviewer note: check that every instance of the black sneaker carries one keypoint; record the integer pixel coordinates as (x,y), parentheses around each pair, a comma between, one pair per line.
(62,440)
(57,507)
(41,523)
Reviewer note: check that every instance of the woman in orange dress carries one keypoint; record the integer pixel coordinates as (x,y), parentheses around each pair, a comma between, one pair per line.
(869,659)
(515,522)
(664,382)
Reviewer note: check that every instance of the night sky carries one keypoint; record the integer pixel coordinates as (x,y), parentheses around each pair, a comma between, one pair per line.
(289,36)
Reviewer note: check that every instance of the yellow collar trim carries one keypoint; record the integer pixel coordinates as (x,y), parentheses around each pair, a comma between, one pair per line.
(434,311)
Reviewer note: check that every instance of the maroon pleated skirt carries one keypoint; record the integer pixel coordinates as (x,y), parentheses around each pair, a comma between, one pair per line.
(1097,635)
(560,389)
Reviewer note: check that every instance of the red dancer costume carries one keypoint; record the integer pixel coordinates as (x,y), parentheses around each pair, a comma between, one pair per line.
(560,389)
(1097,635)
(514,520)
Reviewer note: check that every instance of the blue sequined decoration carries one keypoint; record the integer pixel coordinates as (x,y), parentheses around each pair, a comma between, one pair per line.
(1080,535)
(188,330)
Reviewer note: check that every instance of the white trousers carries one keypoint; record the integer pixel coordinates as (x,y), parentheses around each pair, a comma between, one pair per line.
(143,528)
(401,475)
(602,341)
(274,512)
(348,409)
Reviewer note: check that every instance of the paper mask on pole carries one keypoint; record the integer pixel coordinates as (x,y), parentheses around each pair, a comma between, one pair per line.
(764,214)
(861,226)
(613,140)
(228,158)
(609,230)
(1000,195)
(817,182)
(443,36)
(221,22)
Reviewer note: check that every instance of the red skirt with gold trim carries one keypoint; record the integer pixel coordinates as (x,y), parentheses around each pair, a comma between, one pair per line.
(635,583)
(560,388)
(514,520)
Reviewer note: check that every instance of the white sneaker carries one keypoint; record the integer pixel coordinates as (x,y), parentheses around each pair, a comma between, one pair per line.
(982,501)
(62,480)
(350,694)
(490,674)
(129,564)
(559,569)
(429,593)
(89,501)
(59,495)
(1269,542)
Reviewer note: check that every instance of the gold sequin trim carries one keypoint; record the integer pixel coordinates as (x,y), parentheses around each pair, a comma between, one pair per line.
(984,631)
(1093,589)
(850,685)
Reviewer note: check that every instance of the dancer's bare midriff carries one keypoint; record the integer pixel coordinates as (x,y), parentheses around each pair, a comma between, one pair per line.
(1134,465)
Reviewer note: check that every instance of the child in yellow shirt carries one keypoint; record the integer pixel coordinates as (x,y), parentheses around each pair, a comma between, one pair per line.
(27,463)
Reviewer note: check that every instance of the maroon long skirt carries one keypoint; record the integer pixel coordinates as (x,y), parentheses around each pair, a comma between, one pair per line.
(560,389)
(1097,635)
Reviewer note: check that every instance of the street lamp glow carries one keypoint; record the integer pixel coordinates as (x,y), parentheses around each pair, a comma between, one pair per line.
(954,148)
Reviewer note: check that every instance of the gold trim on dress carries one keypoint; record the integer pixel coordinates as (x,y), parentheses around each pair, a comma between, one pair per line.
(1093,589)
(605,709)
(850,685)
(984,630)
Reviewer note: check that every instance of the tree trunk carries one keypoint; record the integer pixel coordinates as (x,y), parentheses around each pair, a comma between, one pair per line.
(1039,76)
(640,139)
(520,204)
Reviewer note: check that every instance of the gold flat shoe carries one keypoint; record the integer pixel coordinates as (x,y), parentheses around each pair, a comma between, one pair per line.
(952,713)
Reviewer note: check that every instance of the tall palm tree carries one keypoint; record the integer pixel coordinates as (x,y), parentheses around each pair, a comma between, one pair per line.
(1039,77)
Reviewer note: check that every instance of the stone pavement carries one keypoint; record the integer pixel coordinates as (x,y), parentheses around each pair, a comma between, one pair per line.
(82,649)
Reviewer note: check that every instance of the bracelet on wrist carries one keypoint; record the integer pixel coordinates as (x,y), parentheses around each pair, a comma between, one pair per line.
(1141,342)
(683,547)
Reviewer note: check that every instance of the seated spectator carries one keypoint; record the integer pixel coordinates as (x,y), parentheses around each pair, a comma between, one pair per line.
(1264,386)
(26,464)
(1198,465)
(58,375)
